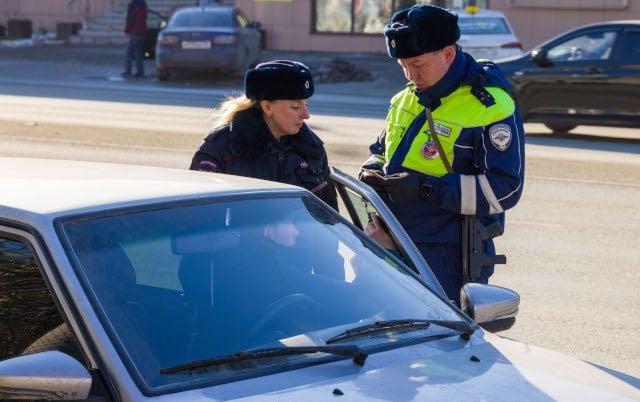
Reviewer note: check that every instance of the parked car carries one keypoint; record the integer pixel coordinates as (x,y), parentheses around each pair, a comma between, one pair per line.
(208,38)
(131,283)
(155,22)
(487,34)
(589,75)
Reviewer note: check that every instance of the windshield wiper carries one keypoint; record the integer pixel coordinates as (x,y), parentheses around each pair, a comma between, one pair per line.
(352,351)
(402,325)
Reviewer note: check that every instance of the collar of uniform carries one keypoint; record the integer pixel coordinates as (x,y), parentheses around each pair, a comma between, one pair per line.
(452,79)
(250,137)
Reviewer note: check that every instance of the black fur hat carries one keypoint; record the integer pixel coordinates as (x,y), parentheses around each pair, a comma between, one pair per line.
(278,79)
(420,29)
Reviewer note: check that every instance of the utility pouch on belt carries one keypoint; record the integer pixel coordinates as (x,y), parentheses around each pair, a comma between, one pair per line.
(473,255)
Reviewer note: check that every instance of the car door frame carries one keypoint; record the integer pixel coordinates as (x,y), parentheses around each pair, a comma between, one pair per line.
(404,245)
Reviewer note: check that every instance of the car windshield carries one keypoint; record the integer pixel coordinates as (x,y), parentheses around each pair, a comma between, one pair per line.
(180,283)
(483,26)
(202,19)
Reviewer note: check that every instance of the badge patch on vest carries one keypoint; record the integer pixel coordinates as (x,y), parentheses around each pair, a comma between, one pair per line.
(442,130)
(500,135)
(429,150)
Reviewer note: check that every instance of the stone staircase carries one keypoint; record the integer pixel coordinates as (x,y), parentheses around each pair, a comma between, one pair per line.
(107,29)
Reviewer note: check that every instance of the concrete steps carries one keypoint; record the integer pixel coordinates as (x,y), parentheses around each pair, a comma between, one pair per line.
(108,29)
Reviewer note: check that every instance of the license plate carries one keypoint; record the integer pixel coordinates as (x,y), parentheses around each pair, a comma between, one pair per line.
(200,44)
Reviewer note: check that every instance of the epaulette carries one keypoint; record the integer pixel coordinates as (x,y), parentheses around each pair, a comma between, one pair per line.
(483,96)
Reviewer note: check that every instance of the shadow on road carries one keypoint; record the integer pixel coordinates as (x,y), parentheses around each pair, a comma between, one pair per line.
(589,138)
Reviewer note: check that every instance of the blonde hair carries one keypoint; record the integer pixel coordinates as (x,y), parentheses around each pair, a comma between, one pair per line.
(224,114)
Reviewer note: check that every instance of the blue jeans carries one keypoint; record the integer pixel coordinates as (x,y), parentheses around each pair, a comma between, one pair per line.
(134,51)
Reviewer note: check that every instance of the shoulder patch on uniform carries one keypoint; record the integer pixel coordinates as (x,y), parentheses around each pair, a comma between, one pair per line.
(207,166)
(500,135)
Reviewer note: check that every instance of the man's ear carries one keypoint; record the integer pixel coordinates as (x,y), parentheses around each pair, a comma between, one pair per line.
(450,53)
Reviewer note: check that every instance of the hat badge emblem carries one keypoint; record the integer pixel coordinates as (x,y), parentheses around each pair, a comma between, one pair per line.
(306,84)
(393,43)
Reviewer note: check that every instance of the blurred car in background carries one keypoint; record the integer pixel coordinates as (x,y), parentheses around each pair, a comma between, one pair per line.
(587,75)
(487,34)
(155,22)
(208,38)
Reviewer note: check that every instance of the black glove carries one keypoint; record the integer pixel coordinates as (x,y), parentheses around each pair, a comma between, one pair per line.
(376,181)
(404,187)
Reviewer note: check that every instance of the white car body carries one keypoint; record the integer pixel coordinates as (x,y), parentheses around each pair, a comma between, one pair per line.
(487,34)
(35,193)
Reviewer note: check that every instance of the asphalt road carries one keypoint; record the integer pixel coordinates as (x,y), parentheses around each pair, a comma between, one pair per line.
(572,242)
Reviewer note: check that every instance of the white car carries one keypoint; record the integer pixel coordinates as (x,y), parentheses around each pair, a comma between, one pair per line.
(487,34)
(130,283)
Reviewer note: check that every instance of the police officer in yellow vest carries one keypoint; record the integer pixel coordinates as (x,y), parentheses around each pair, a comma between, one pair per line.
(453,144)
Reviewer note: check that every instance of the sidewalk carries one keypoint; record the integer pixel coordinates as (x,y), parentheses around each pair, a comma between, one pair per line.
(97,62)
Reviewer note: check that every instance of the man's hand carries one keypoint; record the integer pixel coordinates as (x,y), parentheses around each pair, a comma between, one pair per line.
(403,187)
(372,178)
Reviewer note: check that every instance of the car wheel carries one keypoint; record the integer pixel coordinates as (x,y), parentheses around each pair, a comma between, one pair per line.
(560,128)
(163,75)
(244,65)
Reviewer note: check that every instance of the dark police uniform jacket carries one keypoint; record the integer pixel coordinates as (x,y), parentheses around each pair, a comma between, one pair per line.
(247,148)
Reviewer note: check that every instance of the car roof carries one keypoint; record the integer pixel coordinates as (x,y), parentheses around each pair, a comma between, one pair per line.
(209,8)
(482,13)
(601,24)
(33,190)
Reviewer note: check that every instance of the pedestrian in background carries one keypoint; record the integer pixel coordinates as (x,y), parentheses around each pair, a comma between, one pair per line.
(262,134)
(453,144)
(135,29)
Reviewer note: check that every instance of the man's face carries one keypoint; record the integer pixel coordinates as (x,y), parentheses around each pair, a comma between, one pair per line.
(427,69)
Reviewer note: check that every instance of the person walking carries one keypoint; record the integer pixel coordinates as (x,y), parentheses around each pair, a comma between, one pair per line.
(135,29)
(262,133)
(453,144)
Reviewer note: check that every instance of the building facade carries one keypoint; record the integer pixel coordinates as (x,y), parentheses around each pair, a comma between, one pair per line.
(340,25)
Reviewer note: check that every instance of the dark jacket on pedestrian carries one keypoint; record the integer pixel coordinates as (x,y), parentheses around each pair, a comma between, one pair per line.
(246,147)
(136,23)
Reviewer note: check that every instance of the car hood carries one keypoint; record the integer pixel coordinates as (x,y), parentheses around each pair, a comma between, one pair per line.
(498,370)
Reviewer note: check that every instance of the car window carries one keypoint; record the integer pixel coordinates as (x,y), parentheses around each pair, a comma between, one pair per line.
(631,47)
(28,314)
(155,21)
(228,275)
(359,201)
(590,46)
(202,19)
(483,26)
(242,19)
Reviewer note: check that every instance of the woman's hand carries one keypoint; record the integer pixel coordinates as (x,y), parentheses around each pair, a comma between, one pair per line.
(376,231)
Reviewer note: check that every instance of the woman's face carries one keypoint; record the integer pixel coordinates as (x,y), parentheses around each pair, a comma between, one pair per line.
(284,117)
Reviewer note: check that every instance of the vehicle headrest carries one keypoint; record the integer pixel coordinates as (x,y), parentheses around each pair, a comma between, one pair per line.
(204,240)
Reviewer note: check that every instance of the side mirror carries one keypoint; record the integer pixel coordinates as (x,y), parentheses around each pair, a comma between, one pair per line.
(539,56)
(493,307)
(44,375)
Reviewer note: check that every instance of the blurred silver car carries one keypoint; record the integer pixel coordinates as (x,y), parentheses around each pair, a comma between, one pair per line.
(132,283)
(208,38)
(487,34)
